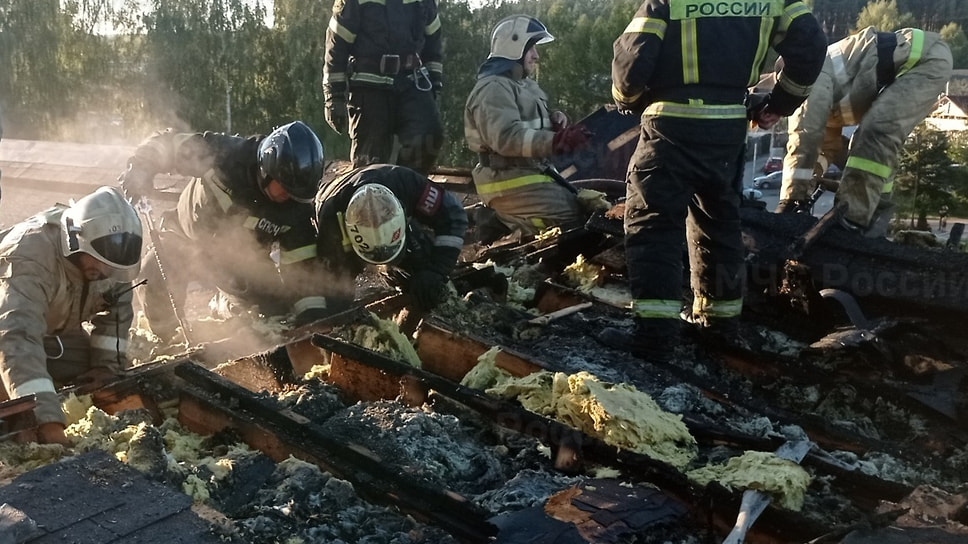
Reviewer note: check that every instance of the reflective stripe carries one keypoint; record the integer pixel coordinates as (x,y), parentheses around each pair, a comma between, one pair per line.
(380,2)
(109,343)
(435,67)
(697,110)
(341,31)
(836,56)
(656,308)
(32,387)
(538,223)
(762,46)
(695,9)
(347,241)
(527,145)
(513,183)
(917,49)
(627,99)
(705,306)
(791,12)
(298,254)
(646,25)
(888,188)
(803,173)
(449,241)
(690,52)
(434,26)
(366,77)
(306,303)
(337,77)
(869,166)
(217,189)
(250,222)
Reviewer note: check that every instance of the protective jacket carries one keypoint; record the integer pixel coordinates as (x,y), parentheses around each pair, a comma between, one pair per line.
(887,82)
(427,206)
(507,122)
(386,58)
(688,69)
(230,223)
(43,293)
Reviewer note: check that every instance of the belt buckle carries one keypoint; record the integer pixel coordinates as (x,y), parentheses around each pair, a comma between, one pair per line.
(390,64)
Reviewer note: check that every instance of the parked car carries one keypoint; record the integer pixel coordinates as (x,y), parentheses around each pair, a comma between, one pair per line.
(768,181)
(773,164)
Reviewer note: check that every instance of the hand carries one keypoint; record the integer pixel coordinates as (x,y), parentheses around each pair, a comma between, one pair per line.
(136,182)
(52,433)
(95,378)
(559,121)
(570,139)
(765,120)
(427,289)
(336,115)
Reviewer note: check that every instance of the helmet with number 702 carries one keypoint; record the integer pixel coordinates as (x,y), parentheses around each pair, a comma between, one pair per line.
(376,224)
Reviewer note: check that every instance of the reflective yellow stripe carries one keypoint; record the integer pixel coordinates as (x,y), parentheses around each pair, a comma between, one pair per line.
(867,165)
(646,25)
(705,306)
(250,222)
(298,254)
(888,188)
(762,46)
(697,9)
(347,242)
(697,110)
(690,52)
(435,67)
(513,183)
(538,223)
(656,308)
(791,12)
(434,26)
(627,99)
(341,31)
(917,49)
(365,77)
(337,77)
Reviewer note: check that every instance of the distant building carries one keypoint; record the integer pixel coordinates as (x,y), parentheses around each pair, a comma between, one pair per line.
(952,111)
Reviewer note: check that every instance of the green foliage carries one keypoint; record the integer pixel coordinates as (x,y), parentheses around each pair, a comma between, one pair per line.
(926,178)
(954,36)
(883,15)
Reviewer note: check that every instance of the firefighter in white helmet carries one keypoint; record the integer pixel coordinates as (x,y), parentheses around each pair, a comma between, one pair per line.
(883,82)
(508,124)
(65,266)
(388,215)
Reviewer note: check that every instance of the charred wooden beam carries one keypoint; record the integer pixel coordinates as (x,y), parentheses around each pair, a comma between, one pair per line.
(352,462)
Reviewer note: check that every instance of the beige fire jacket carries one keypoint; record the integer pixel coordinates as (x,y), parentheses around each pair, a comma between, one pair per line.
(886,100)
(42,293)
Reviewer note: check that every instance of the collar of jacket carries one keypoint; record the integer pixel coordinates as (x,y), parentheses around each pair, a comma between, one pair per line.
(497,65)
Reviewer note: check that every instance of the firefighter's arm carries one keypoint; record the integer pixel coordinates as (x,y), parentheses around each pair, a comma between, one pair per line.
(109,336)
(432,53)
(340,36)
(635,53)
(803,47)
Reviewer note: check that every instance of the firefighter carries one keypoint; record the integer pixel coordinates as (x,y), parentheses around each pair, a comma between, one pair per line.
(687,72)
(388,215)
(63,267)
(381,80)
(884,82)
(243,222)
(508,124)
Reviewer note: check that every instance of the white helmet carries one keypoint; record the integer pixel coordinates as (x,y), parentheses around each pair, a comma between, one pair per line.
(105,226)
(512,35)
(376,224)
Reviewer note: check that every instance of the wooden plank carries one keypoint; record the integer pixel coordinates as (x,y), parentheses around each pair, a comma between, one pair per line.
(452,355)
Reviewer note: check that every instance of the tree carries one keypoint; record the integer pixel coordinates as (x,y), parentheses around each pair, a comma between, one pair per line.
(925,178)
(884,16)
(954,36)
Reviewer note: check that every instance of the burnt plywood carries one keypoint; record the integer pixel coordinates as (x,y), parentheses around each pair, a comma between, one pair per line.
(95,498)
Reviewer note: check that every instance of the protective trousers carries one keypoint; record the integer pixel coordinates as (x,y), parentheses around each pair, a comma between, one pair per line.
(376,115)
(684,185)
(875,145)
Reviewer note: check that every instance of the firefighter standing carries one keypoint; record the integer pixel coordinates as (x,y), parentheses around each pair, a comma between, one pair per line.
(63,267)
(507,122)
(244,221)
(884,82)
(381,77)
(388,215)
(687,71)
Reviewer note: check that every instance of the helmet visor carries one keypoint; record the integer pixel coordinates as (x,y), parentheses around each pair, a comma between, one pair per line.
(121,249)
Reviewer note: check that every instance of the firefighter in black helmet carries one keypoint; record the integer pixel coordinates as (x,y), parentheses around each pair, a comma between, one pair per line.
(243,222)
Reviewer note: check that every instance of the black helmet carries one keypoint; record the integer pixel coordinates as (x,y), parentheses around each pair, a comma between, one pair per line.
(292,155)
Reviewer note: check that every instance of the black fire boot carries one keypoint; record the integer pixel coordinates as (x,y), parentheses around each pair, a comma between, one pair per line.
(641,342)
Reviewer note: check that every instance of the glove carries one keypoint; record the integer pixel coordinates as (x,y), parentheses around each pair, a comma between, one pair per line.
(427,289)
(52,432)
(336,116)
(136,182)
(436,84)
(570,139)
